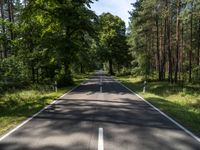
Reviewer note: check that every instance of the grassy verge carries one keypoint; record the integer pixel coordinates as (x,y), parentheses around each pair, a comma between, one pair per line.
(180,102)
(18,105)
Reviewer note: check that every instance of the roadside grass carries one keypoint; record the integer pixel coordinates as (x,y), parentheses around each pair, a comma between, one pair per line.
(180,102)
(16,106)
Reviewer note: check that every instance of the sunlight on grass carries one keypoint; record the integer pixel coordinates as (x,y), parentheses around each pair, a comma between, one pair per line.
(17,106)
(180,102)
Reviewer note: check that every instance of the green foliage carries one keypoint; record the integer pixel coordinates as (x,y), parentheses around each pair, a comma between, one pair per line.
(53,39)
(52,34)
(13,72)
(17,105)
(163,41)
(113,47)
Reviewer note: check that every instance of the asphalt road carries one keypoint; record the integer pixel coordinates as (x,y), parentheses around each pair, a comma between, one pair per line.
(99,114)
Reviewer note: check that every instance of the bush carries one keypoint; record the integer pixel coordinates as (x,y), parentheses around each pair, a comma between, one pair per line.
(13,73)
(65,80)
(124,72)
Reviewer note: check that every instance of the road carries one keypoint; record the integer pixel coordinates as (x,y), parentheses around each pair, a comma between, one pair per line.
(100,114)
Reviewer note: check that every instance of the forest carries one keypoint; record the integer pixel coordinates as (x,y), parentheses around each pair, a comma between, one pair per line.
(164,42)
(63,42)
(43,41)
(164,39)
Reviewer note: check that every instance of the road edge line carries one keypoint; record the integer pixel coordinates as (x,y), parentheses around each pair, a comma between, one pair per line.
(37,113)
(162,113)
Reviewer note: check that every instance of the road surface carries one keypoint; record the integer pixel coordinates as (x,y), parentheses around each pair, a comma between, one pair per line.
(100,114)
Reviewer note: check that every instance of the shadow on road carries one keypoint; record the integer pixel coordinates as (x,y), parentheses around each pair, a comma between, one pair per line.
(72,124)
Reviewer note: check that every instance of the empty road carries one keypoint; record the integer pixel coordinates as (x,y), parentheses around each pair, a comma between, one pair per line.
(100,114)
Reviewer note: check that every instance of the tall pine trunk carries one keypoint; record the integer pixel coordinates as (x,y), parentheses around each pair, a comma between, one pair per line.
(178,7)
(170,73)
(111,66)
(191,43)
(198,48)
(4,43)
(164,49)
(157,48)
(11,17)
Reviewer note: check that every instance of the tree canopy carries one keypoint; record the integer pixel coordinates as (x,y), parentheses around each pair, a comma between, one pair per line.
(164,35)
(43,41)
(112,40)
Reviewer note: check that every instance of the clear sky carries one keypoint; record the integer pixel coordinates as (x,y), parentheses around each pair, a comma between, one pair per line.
(116,7)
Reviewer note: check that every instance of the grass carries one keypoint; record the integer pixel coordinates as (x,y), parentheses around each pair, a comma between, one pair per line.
(18,105)
(180,102)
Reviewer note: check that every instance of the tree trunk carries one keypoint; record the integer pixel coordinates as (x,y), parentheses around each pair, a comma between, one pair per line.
(178,5)
(164,49)
(11,17)
(37,75)
(81,68)
(68,77)
(25,3)
(157,49)
(191,43)
(198,47)
(169,45)
(111,67)
(4,44)
(181,53)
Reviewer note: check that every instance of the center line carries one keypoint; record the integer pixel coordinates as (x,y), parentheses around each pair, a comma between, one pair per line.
(100,139)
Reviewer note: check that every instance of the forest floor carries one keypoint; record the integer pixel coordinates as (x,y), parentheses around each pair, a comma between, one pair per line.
(17,105)
(180,102)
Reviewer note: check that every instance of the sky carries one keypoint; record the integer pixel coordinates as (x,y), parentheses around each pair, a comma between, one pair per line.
(116,7)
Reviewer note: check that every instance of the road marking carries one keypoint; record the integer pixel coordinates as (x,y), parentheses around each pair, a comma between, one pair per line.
(36,114)
(100,139)
(101,89)
(162,113)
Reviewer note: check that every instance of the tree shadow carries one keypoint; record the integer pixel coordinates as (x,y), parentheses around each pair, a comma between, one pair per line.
(74,122)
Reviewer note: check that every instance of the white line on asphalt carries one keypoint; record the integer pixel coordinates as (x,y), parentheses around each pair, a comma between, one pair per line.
(100,139)
(162,113)
(30,118)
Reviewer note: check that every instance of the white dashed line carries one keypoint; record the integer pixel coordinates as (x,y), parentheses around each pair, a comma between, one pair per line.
(100,139)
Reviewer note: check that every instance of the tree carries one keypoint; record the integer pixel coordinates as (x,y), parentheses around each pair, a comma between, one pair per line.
(47,37)
(178,8)
(62,24)
(112,37)
(166,33)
